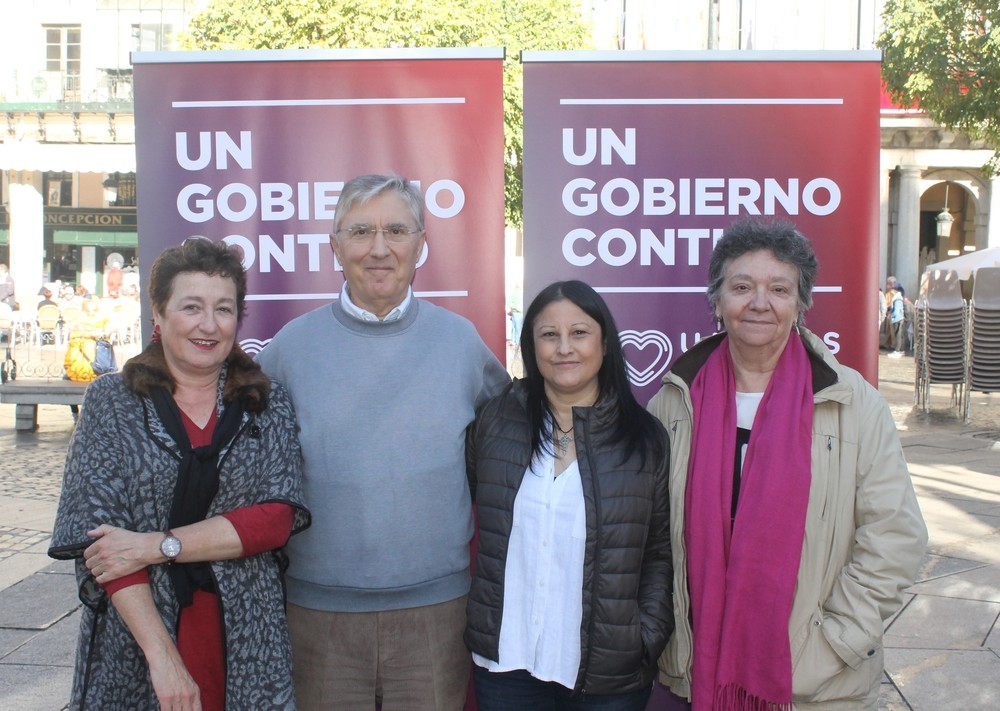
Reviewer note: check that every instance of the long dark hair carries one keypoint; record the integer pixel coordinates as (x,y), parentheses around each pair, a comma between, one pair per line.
(632,425)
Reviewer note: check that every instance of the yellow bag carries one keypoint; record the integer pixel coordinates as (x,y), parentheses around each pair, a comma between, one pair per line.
(79,356)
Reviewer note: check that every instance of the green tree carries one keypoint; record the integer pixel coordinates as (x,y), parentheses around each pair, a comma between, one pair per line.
(351,24)
(944,55)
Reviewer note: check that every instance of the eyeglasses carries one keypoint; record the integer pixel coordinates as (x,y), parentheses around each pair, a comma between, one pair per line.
(365,234)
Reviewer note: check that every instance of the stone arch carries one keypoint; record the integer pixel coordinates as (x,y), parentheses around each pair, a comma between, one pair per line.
(968,203)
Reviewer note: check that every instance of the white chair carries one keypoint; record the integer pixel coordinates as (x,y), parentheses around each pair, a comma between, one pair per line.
(124,322)
(47,322)
(69,314)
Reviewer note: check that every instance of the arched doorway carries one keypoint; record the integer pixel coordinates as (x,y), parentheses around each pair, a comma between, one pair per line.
(940,239)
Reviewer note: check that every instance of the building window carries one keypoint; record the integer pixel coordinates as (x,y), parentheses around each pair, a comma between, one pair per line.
(149,37)
(122,187)
(62,57)
(58,189)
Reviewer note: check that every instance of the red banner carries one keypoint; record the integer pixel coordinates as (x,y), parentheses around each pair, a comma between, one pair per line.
(634,163)
(254,148)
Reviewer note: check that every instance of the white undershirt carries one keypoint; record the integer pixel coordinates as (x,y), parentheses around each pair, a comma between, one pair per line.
(746,408)
(746,411)
(364,315)
(543,583)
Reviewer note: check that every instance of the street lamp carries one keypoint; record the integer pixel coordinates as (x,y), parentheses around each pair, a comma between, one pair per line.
(944,219)
(111,189)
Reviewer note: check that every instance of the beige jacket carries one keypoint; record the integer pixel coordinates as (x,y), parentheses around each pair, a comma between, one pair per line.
(864,538)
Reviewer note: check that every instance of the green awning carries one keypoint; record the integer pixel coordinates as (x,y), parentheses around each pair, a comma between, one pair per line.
(97,239)
(4,237)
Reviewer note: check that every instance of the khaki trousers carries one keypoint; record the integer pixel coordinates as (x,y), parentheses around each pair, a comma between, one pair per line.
(405,660)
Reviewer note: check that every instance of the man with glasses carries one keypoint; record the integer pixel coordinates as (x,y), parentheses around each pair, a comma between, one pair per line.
(384,385)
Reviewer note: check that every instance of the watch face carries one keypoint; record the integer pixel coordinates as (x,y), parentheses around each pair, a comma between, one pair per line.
(170,547)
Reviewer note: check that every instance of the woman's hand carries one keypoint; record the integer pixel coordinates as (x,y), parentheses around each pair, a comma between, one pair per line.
(118,552)
(174,687)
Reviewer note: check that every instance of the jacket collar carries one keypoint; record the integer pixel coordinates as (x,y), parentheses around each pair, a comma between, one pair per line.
(600,413)
(240,377)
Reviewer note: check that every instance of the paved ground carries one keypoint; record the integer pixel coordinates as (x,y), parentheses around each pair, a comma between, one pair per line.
(942,649)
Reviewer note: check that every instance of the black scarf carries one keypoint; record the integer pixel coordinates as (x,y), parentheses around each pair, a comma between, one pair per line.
(197,484)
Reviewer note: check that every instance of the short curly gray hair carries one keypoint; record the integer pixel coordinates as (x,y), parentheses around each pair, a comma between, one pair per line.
(780,238)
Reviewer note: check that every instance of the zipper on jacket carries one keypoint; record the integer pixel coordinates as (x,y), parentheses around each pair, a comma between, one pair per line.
(595,487)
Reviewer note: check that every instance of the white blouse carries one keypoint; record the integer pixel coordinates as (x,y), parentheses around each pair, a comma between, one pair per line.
(543,583)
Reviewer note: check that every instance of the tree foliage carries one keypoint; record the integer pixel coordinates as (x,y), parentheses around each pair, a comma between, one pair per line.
(352,24)
(945,56)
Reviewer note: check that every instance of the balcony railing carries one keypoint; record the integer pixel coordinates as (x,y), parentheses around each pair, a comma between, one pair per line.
(102,90)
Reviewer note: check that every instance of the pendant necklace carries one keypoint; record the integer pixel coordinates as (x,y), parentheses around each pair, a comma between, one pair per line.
(565,437)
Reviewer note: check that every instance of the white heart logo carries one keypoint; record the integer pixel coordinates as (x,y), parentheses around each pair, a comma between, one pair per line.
(662,351)
(253,346)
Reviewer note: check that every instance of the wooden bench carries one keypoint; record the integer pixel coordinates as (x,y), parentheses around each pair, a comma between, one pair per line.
(27,395)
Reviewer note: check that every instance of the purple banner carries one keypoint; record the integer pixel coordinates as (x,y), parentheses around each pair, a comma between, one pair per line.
(254,148)
(635,163)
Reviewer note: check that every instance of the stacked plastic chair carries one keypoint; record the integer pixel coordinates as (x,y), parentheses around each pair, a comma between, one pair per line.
(919,347)
(984,341)
(942,336)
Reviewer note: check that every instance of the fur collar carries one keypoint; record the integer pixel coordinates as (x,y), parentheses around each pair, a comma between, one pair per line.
(245,381)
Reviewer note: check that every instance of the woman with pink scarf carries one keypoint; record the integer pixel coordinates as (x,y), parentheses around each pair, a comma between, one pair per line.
(795,528)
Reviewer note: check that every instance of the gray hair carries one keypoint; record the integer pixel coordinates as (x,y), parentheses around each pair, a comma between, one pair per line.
(365,188)
(778,237)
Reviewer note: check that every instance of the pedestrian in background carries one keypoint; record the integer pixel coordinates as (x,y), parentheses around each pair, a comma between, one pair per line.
(7,287)
(895,299)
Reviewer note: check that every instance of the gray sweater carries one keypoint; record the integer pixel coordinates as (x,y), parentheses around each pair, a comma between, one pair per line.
(383,409)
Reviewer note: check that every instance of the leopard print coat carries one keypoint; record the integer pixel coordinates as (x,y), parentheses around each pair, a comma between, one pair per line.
(121,469)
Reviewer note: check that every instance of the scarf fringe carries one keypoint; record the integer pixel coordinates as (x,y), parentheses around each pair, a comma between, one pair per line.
(733,697)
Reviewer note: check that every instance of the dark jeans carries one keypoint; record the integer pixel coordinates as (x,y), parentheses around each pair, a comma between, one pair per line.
(519,691)
(664,700)
(900,337)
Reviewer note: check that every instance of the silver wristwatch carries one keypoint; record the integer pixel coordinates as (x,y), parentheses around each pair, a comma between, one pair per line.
(170,546)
